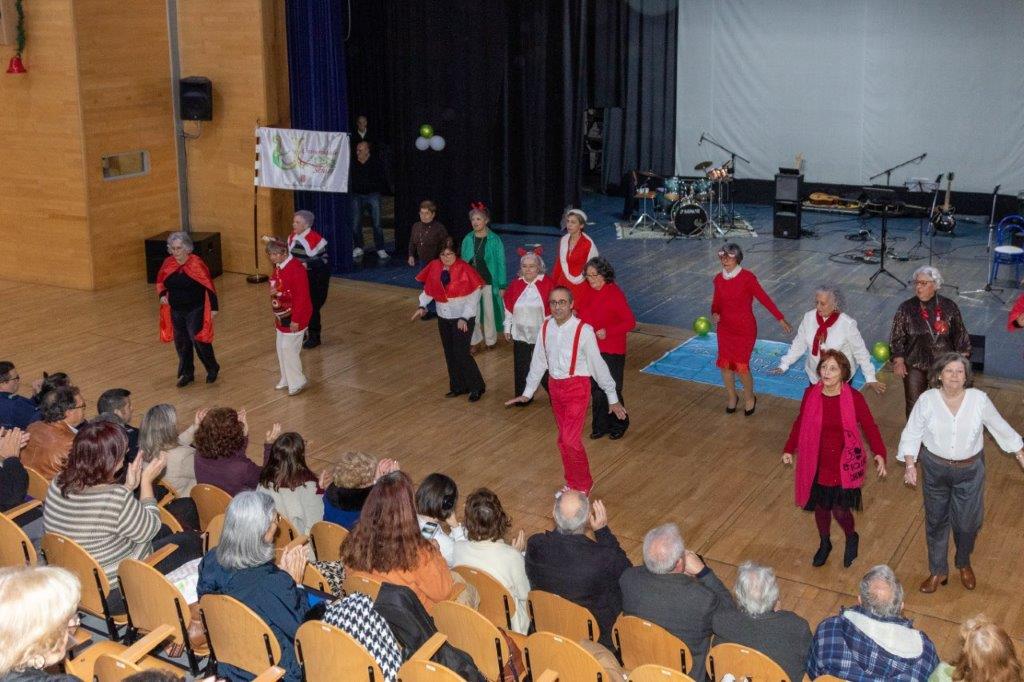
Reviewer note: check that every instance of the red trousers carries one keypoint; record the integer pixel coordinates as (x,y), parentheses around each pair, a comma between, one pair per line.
(569,399)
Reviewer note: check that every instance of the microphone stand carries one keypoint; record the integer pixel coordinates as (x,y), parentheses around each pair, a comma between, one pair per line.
(888,171)
(732,168)
(988,288)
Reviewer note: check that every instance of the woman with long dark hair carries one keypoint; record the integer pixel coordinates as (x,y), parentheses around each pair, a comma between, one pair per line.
(289,481)
(435,508)
(387,544)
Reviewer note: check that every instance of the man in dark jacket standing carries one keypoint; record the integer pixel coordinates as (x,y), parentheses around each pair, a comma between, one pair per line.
(566,562)
(676,590)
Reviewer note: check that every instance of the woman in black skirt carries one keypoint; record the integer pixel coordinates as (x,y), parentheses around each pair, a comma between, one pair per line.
(831,461)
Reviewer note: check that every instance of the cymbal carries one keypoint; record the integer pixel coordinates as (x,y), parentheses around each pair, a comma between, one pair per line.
(702,165)
(647,174)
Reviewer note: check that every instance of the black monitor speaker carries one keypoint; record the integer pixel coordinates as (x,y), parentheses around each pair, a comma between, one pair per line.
(788,187)
(786,211)
(195,99)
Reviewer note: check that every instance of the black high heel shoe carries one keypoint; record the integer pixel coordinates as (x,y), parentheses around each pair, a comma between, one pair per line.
(749,412)
(850,553)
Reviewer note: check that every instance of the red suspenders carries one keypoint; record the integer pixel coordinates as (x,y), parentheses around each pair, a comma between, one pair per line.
(575,344)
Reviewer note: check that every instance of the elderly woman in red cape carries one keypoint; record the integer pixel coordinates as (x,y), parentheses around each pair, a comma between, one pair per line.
(455,287)
(188,302)
(830,457)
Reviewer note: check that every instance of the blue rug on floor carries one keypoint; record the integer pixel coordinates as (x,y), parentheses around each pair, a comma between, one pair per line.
(694,360)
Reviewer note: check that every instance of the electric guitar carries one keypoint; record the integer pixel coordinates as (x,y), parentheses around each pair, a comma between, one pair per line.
(944,217)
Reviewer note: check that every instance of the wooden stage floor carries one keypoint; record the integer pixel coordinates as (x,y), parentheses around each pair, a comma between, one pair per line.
(378,384)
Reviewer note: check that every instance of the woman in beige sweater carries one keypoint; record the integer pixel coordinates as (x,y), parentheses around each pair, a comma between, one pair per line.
(158,433)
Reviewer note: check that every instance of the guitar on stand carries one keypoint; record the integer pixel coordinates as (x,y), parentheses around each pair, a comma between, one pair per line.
(944,217)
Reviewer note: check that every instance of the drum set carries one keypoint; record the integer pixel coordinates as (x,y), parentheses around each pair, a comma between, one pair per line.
(686,206)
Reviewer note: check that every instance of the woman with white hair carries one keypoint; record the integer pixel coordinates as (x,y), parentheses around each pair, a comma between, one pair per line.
(526,306)
(758,623)
(483,249)
(925,327)
(188,302)
(38,616)
(242,566)
(574,252)
(827,326)
(310,248)
(949,421)
(293,309)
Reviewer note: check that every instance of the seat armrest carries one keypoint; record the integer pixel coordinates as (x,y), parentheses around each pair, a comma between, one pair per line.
(144,646)
(22,508)
(160,554)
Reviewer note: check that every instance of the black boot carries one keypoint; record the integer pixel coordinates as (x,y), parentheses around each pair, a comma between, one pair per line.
(824,549)
(852,544)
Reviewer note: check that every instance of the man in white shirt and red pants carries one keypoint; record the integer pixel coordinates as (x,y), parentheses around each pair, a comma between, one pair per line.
(567,350)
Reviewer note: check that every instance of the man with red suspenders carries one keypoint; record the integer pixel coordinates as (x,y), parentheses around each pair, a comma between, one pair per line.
(567,350)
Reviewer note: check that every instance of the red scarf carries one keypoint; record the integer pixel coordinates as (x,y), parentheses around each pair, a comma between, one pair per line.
(822,333)
(465,280)
(853,460)
(939,325)
(195,268)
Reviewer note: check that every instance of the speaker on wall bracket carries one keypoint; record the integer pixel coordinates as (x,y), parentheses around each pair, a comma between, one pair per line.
(195,98)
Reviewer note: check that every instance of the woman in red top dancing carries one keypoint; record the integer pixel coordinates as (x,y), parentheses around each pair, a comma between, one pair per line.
(830,458)
(293,308)
(574,251)
(732,311)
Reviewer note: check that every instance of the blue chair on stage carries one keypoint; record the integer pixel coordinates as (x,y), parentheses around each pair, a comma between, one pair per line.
(1005,252)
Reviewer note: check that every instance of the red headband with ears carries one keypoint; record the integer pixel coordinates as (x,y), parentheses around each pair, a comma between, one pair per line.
(478,206)
(535,250)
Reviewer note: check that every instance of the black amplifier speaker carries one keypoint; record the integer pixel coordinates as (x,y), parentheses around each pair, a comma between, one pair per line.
(206,245)
(195,98)
(786,210)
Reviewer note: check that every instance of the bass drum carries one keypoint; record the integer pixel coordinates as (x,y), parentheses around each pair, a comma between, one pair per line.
(689,219)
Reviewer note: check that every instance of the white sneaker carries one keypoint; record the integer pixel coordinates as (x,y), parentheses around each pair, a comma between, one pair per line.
(298,390)
(382,254)
(281,384)
(357,253)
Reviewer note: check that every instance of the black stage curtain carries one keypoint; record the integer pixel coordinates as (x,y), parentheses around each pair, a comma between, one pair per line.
(505,83)
(640,129)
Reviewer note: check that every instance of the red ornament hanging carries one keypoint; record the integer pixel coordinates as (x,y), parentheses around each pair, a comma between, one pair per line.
(17,65)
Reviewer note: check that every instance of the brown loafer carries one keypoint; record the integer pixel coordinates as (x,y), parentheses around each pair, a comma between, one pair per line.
(967,577)
(932,582)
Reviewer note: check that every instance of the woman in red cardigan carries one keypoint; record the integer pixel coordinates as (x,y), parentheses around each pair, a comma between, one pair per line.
(606,310)
(574,251)
(293,307)
(732,311)
(830,458)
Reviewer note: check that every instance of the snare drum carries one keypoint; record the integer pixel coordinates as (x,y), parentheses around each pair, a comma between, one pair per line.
(689,219)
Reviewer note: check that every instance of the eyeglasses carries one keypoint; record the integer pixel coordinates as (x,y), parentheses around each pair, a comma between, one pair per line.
(923,282)
(559,302)
(79,407)
(726,254)
(16,377)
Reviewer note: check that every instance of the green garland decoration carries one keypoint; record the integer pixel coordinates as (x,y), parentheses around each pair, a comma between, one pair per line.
(21,26)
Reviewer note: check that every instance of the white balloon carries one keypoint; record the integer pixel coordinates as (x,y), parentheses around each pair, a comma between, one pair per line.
(437,143)
(422,143)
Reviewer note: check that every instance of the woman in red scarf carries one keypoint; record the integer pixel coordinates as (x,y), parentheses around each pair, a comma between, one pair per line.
(188,302)
(831,461)
(574,251)
(455,287)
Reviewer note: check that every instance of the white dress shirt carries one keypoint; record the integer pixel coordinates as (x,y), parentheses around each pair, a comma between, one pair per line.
(524,321)
(843,336)
(555,357)
(956,437)
(461,307)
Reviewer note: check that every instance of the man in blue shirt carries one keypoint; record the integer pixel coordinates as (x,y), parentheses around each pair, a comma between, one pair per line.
(16,411)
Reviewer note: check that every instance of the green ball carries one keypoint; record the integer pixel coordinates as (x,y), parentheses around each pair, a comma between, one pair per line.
(881,351)
(702,326)
(427,130)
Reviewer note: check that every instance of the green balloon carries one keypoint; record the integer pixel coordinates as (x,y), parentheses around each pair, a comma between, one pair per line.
(427,130)
(702,326)
(881,351)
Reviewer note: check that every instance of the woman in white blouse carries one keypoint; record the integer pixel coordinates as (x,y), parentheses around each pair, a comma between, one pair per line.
(949,421)
(828,327)
(158,433)
(526,306)
(485,549)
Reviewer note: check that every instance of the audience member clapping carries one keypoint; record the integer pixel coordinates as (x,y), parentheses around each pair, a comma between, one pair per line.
(242,566)
(289,481)
(354,476)
(63,409)
(220,442)
(758,623)
(38,615)
(14,482)
(986,655)
(436,499)
(676,590)
(16,411)
(158,434)
(487,526)
(115,405)
(387,545)
(872,641)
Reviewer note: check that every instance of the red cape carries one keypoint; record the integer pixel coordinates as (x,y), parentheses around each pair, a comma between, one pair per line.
(195,268)
(465,280)
(517,286)
(1018,308)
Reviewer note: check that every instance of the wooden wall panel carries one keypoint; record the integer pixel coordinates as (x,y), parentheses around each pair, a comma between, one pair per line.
(236,44)
(43,216)
(125,83)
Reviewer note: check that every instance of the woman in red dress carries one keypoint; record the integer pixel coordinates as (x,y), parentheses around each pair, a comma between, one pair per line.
(830,458)
(574,251)
(732,311)
(607,311)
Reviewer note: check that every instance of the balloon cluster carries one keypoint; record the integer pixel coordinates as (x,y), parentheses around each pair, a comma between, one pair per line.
(428,140)
(702,326)
(881,351)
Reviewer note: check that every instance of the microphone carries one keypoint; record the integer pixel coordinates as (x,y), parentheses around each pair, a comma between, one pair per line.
(701,141)
(922,157)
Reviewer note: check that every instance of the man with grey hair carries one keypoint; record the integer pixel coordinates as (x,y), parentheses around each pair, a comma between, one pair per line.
(872,641)
(566,562)
(676,590)
(758,623)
